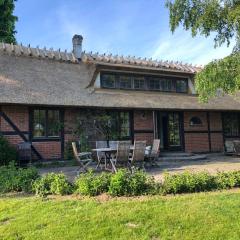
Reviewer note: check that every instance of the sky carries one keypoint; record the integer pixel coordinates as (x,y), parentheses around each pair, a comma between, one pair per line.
(125,27)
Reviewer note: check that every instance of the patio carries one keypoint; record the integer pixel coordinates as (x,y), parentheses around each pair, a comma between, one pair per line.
(213,163)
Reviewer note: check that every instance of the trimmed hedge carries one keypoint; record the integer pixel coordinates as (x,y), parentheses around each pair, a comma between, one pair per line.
(122,183)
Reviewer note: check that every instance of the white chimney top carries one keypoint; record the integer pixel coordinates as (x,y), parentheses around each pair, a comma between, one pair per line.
(77,45)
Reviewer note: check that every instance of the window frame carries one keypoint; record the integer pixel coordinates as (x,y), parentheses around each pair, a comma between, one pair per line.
(195,124)
(118,124)
(223,124)
(46,137)
(169,81)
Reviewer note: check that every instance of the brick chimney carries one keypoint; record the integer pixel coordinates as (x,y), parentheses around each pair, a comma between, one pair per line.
(77,45)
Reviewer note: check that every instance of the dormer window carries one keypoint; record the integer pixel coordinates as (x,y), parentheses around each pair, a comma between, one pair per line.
(144,82)
(108,81)
(125,82)
(181,86)
(139,83)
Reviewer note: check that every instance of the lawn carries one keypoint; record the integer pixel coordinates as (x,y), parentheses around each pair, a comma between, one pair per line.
(193,216)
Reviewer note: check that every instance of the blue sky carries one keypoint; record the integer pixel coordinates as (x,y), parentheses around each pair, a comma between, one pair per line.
(125,27)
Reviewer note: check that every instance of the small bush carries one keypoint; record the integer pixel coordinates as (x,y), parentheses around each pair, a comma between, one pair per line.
(226,180)
(17,179)
(188,182)
(7,152)
(90,184)
(124,183)
(52,183)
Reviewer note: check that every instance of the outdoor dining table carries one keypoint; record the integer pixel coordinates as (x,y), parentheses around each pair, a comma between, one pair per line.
(108,152)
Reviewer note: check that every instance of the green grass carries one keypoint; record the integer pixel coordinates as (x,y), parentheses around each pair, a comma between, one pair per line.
(193,216)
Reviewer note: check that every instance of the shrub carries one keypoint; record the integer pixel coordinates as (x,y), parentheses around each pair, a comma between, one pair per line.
(52,183)
(7,152)
(91,185)
(226,180)
(124,183)
(188,182)
(17,179)
(119,185)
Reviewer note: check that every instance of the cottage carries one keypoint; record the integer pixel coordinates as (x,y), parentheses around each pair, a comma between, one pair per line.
(146,99)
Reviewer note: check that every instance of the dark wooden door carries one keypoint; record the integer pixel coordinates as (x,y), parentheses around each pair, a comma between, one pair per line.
(170,130)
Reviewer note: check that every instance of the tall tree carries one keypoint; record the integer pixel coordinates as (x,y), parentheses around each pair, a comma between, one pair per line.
(219,17)
(7,21)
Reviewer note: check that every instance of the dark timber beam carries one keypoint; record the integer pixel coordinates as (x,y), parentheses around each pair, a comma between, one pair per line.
(209,133)
(19,133)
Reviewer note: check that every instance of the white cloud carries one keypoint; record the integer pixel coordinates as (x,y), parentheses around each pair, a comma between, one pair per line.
(182,47)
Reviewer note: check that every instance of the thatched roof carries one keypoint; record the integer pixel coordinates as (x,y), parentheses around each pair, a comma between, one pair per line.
(41,77)
(107,59)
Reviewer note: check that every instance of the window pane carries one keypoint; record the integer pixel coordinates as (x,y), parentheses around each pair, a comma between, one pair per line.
(53,123)
(108,80)
(124,124)
(163,84)
(125,82)
(154,84)
(169,85)
(174,127)
(231,125)
(139,83)
(39,123)
(181,86)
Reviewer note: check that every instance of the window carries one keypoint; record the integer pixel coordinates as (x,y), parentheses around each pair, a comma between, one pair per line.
(154,84)
(139,83)
(46,123)
(181,86)
(125,82)
(144,82)
(231,124)
(120,122)
(108,81)
(124,124)
(195,121)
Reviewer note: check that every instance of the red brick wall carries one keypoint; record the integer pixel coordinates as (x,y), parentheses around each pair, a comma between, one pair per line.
(199,142)
(215,121)
(19,115)
(217,144)
(142,127)
(143,121)
(49,150)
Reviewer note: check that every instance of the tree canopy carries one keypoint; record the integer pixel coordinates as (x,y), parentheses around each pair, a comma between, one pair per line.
(7,21)
(219,17)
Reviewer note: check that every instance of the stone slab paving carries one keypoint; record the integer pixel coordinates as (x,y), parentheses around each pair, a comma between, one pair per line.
(213,164)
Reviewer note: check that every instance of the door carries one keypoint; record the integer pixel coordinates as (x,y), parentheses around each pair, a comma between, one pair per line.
(169,130)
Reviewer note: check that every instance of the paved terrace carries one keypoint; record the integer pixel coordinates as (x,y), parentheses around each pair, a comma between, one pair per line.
(213,163)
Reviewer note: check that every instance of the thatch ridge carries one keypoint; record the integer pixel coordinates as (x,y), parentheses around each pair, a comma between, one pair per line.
(64,56)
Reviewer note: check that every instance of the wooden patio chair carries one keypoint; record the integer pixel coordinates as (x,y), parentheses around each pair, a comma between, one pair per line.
(83,158)
(154,152)
(113,145)
(138,155)
(122,155)
(101,157)
(229,147)
(236,144)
